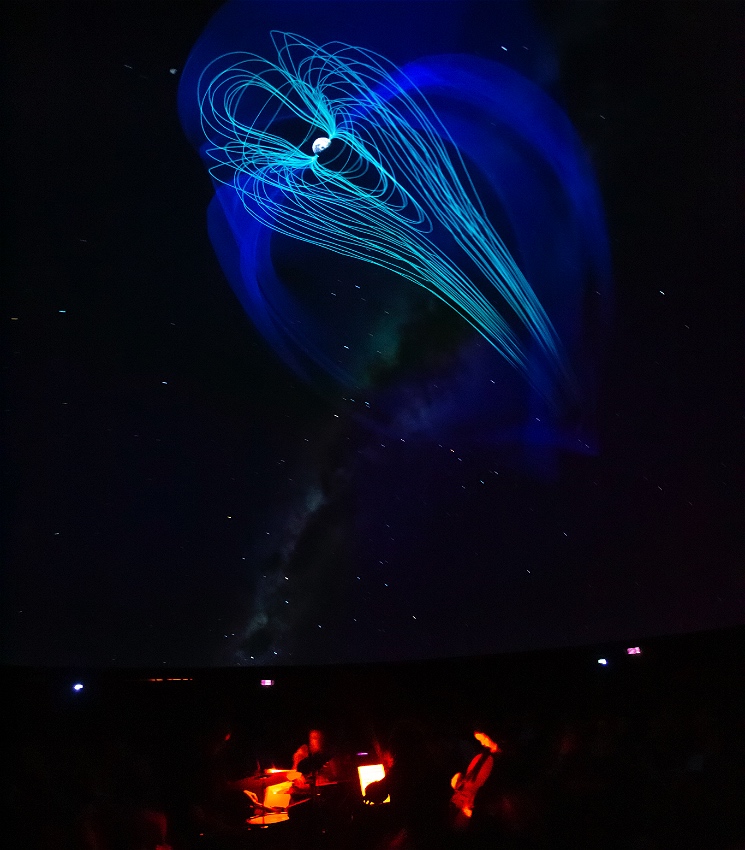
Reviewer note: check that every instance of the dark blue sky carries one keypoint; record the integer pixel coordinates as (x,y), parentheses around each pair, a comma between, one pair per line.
(164,471)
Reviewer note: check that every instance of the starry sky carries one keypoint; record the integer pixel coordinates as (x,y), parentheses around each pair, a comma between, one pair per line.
(175,495)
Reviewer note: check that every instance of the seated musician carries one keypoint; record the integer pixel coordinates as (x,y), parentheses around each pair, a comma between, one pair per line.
(315,764)
(467,785)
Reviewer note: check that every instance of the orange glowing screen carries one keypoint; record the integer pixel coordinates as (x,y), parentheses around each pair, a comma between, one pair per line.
(371,773)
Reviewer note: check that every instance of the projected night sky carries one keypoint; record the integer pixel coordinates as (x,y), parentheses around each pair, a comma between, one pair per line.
(463,378)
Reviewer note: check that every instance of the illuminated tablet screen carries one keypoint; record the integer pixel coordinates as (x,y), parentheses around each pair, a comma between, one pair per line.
(371,773)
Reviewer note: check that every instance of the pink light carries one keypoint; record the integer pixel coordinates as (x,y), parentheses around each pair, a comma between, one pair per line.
(633,650)
(267,683)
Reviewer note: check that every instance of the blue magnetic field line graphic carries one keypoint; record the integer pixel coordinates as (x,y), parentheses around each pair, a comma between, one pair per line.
(334,146)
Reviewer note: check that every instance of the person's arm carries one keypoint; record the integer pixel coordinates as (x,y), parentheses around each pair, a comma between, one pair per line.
(300,754)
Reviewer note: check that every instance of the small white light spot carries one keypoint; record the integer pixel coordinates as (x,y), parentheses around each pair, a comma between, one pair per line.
(320,144)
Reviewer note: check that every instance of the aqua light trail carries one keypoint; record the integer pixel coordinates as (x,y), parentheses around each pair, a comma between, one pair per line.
(370,174)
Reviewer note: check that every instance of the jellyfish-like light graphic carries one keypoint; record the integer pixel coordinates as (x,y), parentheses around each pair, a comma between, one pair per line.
(334,146)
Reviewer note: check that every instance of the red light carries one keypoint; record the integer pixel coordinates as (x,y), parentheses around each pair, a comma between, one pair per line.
(633,650)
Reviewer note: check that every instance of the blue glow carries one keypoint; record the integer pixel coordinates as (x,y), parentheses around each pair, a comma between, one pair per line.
(395,176)
(454,173)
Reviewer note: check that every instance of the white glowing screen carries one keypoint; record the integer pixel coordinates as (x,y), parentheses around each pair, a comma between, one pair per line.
(370,773)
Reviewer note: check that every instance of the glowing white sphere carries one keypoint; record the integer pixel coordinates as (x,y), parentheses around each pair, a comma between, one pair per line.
(321,144)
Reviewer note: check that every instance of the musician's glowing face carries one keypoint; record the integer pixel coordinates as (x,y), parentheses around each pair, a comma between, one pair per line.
(315,741)
(486,741)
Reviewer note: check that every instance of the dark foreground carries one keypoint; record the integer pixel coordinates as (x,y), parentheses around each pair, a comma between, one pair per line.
(646,752)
